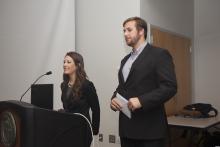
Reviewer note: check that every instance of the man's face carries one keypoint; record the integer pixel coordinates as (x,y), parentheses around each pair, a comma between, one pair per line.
(131,34)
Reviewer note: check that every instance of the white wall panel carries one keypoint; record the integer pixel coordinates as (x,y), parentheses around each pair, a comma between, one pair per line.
(34,37)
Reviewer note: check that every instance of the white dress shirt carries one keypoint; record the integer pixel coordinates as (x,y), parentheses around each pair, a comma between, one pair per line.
(134,54)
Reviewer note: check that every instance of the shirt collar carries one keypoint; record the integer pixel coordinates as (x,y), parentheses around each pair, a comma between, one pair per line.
(139,49)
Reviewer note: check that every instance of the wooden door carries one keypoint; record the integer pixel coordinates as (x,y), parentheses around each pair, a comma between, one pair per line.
(179,48)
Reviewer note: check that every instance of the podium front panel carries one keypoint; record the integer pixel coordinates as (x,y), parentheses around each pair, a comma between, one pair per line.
(38,127)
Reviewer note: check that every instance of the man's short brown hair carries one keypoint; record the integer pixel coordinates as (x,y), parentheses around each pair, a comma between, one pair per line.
(140,24)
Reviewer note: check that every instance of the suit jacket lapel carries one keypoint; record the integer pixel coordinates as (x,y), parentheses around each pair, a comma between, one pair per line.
(142,55)
(122,65)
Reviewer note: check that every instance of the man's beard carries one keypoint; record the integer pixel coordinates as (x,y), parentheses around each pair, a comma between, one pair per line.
(133,41)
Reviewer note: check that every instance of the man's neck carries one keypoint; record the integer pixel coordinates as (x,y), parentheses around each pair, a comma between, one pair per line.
(138,44)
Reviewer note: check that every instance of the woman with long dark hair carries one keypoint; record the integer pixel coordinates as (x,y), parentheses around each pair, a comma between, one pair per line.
(78,93)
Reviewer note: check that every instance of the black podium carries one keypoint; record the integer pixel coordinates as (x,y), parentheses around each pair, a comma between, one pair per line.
(24,125)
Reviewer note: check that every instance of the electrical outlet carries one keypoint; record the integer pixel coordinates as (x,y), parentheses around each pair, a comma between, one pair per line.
(111,138)
(101,137)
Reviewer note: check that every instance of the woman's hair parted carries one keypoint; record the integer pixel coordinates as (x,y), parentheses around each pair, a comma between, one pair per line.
(80,73)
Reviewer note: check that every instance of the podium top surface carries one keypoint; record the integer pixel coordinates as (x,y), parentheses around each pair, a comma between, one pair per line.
(16,103)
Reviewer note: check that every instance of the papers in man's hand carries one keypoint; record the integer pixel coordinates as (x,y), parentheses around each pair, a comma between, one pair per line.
(124,104)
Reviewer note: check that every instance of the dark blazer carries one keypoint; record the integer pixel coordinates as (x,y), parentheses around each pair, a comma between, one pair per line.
(82,105)
(152,79)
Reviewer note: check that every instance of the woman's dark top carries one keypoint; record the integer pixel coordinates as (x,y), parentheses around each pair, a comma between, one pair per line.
(82,104)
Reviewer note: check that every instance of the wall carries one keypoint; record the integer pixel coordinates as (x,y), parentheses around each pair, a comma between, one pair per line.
(172,15)
(175,16)
(207,51)
(34,37)
(99,38)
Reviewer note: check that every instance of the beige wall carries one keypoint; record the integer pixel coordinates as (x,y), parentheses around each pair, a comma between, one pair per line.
(99,38)
(207,52)
(34,37)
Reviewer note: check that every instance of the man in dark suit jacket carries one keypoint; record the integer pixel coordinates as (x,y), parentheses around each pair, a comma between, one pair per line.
(147,80)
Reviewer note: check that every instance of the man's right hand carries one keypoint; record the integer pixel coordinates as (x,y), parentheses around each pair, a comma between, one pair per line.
(115,105)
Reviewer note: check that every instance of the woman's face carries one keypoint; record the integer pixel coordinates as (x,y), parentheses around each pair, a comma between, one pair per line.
(69,67)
